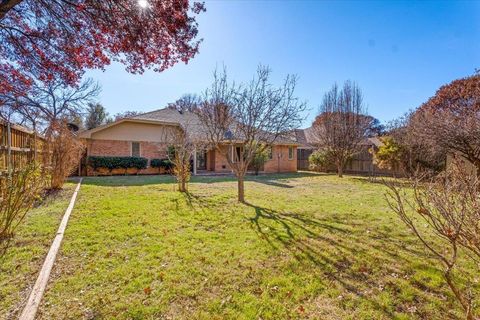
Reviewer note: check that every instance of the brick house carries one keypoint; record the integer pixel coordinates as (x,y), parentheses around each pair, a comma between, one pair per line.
(144,136)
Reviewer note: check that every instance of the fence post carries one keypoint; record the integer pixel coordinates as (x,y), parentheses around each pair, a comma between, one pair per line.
(9,149)
(34,142)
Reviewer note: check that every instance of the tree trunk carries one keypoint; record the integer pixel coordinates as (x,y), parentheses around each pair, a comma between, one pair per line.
(241,189)
(476,163)
(340,169)
(183,185)
(466,304)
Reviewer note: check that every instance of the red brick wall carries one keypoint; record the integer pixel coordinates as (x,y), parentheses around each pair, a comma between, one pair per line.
(282,163)
(116,148)
(220,163)
(150,150)
(215,160)
(108,148)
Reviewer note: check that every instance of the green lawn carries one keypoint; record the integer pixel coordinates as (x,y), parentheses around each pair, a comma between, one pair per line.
(20,266)
(305,246)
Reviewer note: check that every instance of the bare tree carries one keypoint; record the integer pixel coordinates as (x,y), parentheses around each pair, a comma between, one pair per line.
(182,142)
(187,102)
(49,107)
(125,115)
(241,121)
(342,123)
(56,102)
(444,214)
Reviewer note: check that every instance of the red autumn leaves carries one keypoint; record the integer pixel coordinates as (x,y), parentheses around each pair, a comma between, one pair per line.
(47,40)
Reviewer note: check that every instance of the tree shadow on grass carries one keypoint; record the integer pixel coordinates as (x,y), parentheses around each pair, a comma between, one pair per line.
(323,244)
(127,181)
(274,183)
(143,180)
(401,183)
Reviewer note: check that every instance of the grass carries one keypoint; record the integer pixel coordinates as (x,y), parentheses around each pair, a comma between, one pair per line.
(20,266)
(305,246)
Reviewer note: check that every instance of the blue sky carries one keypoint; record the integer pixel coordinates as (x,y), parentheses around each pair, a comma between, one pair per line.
(398,52)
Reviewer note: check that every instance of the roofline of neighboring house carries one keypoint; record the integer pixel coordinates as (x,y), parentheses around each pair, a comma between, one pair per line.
(86,134)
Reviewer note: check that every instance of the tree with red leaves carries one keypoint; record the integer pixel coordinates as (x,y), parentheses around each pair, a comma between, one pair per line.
(451,119)
(43,40)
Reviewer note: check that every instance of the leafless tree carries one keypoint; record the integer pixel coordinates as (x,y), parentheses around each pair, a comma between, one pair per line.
(183,141)
(124,115)
(188,102)
(241,121)
(342,123)
(55,102)
(48,108)
(444,214)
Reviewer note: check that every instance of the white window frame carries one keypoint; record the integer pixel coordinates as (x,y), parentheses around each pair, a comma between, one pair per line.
(293,151)
(270,154)
(234,152)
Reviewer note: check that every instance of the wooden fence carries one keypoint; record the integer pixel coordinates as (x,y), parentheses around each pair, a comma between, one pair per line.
(361,163)
(18,147)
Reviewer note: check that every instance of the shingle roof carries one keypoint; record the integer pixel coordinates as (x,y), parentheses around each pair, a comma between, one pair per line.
(186,119)
(192,121)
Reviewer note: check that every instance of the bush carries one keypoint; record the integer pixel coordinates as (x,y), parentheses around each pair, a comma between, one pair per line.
(117,162)
(389,155)
(259,159)
(18,194)
(161,163)
(63,153)
(319,160)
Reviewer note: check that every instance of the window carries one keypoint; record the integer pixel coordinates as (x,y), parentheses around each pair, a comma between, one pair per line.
(135,149)
(290,153)
(270,153)
(236,154)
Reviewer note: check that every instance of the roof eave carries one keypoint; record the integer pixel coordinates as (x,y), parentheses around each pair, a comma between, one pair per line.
(88,133)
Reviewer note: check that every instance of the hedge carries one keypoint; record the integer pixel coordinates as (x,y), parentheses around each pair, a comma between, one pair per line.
(117,162)
(161,163)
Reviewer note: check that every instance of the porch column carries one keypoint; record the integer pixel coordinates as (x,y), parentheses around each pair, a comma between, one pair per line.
(195,162)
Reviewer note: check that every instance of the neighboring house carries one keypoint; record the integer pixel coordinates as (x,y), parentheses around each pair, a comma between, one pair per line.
(145,136)
(361,163)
